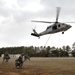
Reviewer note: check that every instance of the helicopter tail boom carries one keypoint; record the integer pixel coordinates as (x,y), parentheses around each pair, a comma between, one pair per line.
(35,33)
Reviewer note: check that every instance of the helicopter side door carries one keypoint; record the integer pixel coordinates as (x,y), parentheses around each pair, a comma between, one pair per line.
(54,27)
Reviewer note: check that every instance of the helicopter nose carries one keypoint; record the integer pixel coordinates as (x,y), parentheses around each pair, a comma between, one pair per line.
(69,26)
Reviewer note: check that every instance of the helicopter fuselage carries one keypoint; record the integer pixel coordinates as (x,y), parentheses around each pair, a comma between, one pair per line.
(58,27)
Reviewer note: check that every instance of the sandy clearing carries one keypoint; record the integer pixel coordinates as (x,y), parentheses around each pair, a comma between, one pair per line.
(40,66)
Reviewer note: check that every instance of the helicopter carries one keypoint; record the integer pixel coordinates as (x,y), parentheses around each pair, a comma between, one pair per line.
(54,28)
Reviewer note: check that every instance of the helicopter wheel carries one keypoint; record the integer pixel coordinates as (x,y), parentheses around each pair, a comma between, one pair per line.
(62,32)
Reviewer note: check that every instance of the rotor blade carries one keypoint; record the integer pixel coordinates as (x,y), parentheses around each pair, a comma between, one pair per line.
(58,11)
(69,22)
(42,21)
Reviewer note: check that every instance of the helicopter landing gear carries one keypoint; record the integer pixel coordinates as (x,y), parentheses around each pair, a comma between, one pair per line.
(62,32)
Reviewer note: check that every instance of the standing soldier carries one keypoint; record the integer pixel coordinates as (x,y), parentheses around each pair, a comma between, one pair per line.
(6,57)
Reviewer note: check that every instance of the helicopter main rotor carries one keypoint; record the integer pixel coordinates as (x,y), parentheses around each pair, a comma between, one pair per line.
(57,17)
(58,12)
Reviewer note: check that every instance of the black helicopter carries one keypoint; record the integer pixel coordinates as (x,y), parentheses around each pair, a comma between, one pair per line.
(54,28)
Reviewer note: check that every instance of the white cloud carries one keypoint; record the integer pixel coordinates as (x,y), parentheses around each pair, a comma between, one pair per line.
(16,25)
(34,7)
(11,4)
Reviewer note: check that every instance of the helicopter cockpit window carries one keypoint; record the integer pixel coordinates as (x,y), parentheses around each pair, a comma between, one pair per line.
(48,27)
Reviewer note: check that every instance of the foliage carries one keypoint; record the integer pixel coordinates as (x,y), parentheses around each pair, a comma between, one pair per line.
(39,51)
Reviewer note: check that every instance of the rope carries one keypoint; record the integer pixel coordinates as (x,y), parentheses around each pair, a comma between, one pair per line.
(47,40)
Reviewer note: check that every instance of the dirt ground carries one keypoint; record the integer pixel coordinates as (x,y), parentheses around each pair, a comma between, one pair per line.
(40,66)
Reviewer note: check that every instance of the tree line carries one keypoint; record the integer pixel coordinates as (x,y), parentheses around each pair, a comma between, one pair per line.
(41,51)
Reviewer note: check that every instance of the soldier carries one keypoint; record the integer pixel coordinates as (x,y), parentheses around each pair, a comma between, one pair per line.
(25,56)
(6,57)
(19,62)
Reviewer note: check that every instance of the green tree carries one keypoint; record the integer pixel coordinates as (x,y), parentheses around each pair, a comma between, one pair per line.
(73,46)
(47,51)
